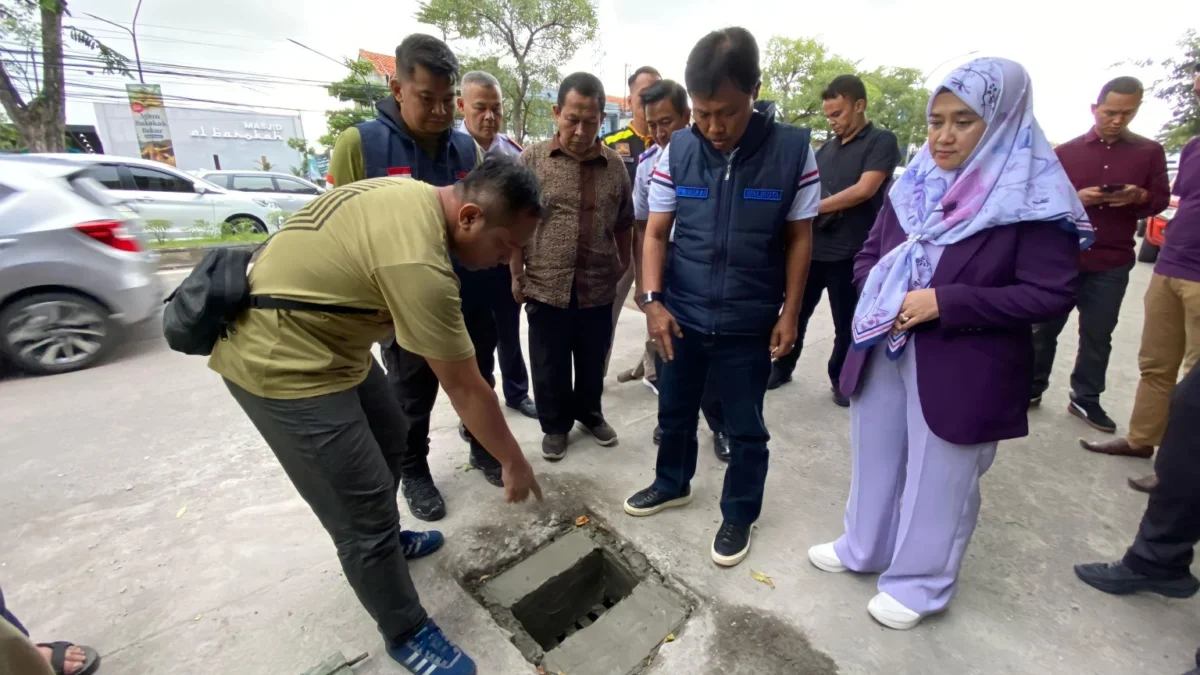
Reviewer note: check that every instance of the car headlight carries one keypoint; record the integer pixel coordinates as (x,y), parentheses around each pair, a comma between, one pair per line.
(267,204)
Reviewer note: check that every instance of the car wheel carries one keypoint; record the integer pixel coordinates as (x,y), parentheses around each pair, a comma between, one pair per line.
(1147,252)
(245,225)
(52,333)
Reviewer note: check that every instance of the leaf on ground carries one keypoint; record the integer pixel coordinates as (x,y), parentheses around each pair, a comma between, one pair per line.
(670,638)
(485,577)
(762,578)
(467,467)
(582,520)
(541,670)
(182,510)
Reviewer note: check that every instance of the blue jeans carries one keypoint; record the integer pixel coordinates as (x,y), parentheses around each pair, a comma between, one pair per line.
(741,364)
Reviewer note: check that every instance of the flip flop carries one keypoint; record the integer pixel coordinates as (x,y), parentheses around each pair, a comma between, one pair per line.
(58,658)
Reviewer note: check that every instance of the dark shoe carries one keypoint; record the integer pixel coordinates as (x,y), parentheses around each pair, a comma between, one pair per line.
(430,653)
(420,544)
(424,500)
(1117,579)
(1093,414)
(1144,484)
(778,378)
(1117,446)
(554,446)
(839,400)
(489,467)
(463,433)
(604,434)
(732,544)
(525,406)
(1035,401)
(657,434)
(721,446)
(650,501)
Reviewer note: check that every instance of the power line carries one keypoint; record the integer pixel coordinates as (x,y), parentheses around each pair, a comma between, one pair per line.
(196,30)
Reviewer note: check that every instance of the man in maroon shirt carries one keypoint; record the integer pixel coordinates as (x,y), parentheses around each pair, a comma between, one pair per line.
(1121,178)
(1171,332)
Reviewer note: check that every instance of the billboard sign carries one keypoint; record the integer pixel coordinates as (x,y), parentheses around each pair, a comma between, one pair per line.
(150,122)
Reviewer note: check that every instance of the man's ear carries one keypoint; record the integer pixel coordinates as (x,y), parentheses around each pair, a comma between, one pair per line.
(757,86)
(462,105)
(394,83)
(470,217)
(860,105)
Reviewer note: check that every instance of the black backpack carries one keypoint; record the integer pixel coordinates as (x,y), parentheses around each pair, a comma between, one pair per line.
(201,310)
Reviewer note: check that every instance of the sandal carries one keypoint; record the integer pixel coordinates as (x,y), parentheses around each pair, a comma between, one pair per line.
(58,658)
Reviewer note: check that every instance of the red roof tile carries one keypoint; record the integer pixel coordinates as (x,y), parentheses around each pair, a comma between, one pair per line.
(384,65)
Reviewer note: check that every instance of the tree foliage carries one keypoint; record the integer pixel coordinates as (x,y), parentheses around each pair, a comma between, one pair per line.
(1176,90)
(32,79)
(797,70)
(357,89)
(535,36)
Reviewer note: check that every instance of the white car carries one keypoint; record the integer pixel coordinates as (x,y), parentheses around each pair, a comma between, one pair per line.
(290,192)
(159,192)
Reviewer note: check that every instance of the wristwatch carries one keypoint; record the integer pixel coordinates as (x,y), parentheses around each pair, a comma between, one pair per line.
(647,298)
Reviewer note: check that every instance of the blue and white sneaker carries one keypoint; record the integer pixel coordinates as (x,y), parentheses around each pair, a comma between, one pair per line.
(430,653)
(420,544)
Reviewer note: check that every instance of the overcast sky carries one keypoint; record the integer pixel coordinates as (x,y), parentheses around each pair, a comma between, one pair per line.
(1069,46)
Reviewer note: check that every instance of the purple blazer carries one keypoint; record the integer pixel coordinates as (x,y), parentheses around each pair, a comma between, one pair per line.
(975,362)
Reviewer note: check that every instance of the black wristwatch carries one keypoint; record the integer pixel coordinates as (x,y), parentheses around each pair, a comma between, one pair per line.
(647,298)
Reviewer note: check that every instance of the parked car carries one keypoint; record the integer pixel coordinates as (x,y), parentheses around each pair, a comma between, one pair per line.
(1154,229)
(290,192)
(74,267)
(161,192)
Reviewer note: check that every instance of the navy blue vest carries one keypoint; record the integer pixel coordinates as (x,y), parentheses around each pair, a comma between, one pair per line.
(389,151)
(726,269)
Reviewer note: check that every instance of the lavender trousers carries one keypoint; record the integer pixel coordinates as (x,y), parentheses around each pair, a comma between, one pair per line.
(914,498)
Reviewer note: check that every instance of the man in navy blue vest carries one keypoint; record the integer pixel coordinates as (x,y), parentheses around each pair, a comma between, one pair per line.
(742,190)
(413,136)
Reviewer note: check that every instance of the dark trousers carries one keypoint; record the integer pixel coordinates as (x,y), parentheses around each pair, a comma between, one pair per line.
(741,366)
(560,339)
(1099,298)
(415,386)
(9,617)
(507,315)
(343,451)
(838,278)
(710,402)
(1170,527)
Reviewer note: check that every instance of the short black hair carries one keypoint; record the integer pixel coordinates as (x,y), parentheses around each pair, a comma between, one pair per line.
(584,84)
(666,89)
(644,70)
(726,54)
(1125,85)
(850,87)
(428,52)
(502,182)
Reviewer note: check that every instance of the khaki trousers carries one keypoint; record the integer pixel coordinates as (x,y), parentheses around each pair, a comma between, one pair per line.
(18,656)
(1170,338)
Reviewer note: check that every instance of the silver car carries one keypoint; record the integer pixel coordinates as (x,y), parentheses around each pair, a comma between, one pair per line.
(74,267)
(290,192)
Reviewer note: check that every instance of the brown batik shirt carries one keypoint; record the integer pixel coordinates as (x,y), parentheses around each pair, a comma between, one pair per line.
(587,203)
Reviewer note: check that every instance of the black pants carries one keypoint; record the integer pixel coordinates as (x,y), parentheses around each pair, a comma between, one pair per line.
(507,314)
(415,386)
(343,451)
(559,339)
(741,365)
(1170,527)
(1099,303)
(838,278)
(710,402)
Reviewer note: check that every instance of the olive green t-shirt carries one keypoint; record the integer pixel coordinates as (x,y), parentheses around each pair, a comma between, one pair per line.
(378,244)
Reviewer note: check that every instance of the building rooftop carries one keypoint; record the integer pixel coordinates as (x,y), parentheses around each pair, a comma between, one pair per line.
(384,65)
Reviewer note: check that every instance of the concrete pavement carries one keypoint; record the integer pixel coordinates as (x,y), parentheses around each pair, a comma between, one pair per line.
(142,514)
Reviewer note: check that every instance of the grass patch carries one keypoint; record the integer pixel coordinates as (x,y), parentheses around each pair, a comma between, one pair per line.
(200,242)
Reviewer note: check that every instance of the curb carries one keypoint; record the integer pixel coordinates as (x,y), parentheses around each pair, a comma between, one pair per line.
(183,257)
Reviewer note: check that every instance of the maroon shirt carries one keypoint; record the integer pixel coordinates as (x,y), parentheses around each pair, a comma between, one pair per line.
(1131,160)
(1180,256)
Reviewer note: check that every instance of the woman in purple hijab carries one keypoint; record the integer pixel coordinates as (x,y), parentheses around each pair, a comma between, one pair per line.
(978,241)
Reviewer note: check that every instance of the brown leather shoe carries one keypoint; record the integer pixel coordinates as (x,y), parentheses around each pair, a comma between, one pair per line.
(1117,446)
(1144,484)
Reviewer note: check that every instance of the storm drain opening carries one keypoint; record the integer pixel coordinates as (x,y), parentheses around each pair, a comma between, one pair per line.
(585,605)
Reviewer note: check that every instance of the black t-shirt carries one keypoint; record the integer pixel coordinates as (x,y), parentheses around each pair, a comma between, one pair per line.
(872,149)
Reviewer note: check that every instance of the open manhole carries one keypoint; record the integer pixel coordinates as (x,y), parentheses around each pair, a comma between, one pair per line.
(579,606)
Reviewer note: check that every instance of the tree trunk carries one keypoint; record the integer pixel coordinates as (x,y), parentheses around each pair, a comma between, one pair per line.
(53,99)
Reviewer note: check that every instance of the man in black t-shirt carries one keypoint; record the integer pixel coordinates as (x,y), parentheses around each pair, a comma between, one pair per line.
(856,167)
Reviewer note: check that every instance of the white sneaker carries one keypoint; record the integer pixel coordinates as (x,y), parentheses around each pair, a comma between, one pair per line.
(823,557)
(889,612)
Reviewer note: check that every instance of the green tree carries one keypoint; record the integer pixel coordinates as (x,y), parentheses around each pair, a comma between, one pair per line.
(795,72)
(39,112)
(301,146)
(538,121)
(1176,89)
(896,101)
(534,35)
(358,90)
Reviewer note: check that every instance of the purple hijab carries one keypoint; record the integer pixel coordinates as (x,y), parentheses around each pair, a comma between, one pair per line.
(1012,176)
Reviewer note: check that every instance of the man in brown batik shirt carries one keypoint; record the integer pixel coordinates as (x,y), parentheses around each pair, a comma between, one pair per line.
(567,275)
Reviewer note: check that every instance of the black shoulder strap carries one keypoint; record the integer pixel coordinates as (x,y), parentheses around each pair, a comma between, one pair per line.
(272,302)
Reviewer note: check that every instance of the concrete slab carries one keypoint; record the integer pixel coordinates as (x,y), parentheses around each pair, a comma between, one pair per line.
(623,637)
(509,588)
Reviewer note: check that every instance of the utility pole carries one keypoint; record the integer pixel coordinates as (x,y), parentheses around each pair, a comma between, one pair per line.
(137,55)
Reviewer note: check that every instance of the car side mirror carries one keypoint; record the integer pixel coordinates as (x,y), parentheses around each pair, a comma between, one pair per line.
(199,189)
